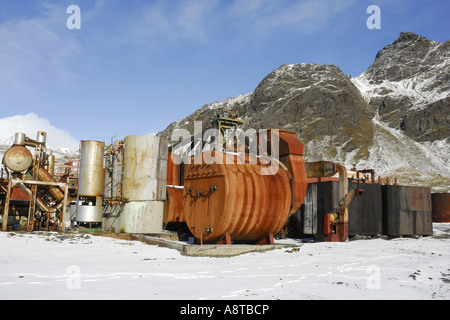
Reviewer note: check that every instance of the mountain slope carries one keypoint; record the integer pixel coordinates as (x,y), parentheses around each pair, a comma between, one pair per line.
(394,118)
(409,84)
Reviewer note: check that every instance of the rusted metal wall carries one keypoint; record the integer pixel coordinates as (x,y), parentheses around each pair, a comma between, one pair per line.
(173,170)
(321,198)
(406,210)
(366,212)
(308,215)
(441,207)
(173,206)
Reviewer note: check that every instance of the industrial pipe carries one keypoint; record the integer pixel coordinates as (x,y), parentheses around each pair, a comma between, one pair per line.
(39,201)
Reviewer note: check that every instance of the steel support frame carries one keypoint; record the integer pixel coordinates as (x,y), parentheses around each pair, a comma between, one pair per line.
(14,182)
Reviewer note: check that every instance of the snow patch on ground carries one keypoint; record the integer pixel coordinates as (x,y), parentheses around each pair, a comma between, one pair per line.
(48,265)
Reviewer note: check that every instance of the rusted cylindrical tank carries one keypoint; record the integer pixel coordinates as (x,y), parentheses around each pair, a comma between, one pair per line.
(235,199)
(18,158)
(91,180)
(145,168)
(440,203)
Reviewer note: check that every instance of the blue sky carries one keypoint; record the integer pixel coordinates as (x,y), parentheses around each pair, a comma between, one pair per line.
(135,66)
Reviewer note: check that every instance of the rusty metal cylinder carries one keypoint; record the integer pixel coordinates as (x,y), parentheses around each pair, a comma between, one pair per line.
(235,199)
(18,158)
(440,203)
(41,137)
(19,139)
(91,180)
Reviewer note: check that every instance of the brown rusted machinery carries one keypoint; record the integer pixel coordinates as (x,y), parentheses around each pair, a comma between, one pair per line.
(335,224)
(47,198)
(232,199)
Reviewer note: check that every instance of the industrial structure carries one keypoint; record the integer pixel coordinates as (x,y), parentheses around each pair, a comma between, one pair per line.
(29,190)
(141,185)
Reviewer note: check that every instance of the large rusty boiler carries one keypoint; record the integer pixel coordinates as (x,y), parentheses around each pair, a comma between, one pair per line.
(232,200)
(91,182)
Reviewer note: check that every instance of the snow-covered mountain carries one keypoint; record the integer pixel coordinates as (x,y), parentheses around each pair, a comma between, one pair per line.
(394,118)
(409,84)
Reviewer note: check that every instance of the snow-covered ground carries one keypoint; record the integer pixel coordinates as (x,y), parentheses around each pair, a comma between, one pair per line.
(79,266)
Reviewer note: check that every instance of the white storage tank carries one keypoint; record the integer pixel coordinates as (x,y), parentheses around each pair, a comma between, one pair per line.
(143,187)
(145,168)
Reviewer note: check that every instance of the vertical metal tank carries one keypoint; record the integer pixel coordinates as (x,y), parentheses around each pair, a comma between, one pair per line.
(92,173)
(144,184)
(145,168)
(91,182)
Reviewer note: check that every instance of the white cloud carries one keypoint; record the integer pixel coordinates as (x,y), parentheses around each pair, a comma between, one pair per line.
(30,124)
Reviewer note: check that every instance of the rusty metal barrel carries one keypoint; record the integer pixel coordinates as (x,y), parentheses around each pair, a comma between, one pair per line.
(440,203)
(235,199)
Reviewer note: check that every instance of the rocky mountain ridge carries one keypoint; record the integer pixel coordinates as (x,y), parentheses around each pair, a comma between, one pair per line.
(394,118)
